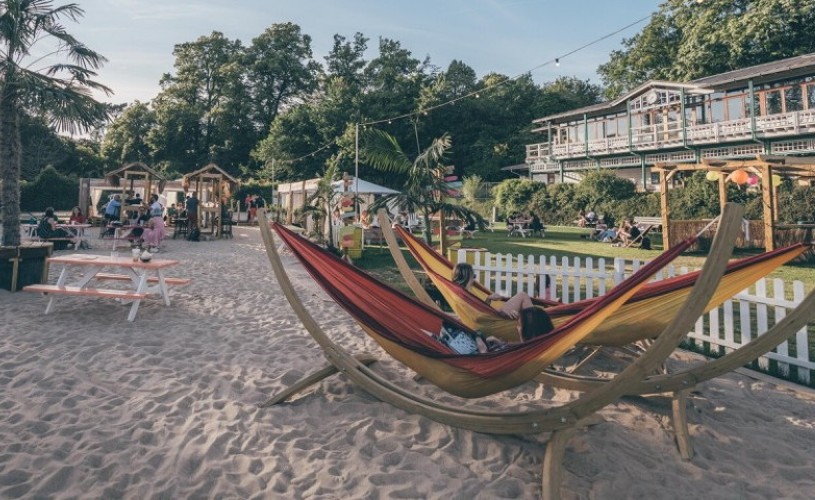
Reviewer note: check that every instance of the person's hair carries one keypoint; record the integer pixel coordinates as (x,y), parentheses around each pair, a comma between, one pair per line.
(76,210)
(534,322)
(154,197)
(463,273)
(49,212)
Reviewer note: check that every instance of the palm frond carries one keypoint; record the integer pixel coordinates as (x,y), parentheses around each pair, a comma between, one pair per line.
(384,152)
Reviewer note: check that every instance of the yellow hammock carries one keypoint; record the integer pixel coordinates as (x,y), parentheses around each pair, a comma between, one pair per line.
(645,315)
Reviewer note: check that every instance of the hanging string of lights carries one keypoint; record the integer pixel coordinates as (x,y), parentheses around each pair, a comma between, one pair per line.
(477,93)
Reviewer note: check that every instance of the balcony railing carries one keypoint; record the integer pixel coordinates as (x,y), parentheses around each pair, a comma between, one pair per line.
(660,136)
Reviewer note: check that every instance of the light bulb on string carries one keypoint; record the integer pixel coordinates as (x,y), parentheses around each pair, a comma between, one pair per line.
(477,96)
(557,62)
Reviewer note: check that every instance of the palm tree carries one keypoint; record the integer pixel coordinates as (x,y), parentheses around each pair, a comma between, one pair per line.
(425,190)
(59,91)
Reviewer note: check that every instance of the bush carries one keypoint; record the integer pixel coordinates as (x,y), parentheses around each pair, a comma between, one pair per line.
(49,189)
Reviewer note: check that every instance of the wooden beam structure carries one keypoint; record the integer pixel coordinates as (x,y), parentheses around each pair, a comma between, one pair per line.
(764,166)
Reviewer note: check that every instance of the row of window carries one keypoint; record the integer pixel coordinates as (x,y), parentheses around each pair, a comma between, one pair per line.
(718,107)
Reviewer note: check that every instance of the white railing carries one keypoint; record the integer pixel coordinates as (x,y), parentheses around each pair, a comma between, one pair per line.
(657,136)
(736,322)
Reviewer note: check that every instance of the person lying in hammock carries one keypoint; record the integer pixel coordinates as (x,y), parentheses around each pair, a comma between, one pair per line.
(532,321)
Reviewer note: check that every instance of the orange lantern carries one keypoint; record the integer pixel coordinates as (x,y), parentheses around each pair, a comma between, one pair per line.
(739,176)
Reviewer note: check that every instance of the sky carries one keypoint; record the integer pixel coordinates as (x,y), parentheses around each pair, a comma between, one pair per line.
(510,37)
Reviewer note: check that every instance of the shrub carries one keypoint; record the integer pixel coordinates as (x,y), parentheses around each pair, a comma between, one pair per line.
(49,189)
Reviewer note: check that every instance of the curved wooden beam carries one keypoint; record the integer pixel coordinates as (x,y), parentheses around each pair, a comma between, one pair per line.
(401,263)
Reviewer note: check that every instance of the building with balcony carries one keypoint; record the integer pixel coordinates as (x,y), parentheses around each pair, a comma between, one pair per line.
(768,109)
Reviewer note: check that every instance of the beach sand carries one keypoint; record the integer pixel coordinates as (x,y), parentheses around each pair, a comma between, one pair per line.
(92,406)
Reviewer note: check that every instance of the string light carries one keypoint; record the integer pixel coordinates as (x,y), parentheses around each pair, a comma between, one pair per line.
(557,61)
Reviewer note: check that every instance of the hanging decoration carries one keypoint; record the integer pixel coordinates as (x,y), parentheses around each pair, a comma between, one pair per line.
(752,180)
(712,176)
(739,176)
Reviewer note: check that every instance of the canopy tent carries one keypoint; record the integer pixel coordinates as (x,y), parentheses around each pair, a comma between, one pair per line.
(295,194)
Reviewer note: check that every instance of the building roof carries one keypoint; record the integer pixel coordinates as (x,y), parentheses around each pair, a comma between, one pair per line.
(792,66)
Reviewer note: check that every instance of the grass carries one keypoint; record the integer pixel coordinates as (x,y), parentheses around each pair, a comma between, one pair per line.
(566,241)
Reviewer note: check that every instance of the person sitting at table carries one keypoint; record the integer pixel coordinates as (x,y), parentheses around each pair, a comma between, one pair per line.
(77,217)
(530,323)
(113,207)
(536,226)
(47,229)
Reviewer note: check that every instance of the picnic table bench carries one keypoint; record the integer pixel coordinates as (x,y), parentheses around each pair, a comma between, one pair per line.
(137,274)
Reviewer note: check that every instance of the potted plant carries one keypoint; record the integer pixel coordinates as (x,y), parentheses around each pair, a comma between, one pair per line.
(61,91)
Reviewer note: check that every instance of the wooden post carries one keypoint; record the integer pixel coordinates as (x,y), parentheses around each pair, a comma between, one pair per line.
(666,211)
(767,195)
(722,191)
(85,196)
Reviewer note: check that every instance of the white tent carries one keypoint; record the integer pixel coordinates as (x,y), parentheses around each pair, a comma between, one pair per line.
(362,187)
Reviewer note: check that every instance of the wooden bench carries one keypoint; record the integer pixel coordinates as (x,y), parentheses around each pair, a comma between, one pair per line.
(94,292)
(646,222)
(152,279)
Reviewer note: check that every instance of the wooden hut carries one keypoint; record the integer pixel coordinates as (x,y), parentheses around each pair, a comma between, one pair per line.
(133,176)
(213,187)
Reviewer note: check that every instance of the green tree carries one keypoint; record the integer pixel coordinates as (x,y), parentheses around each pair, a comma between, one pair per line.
(60,91)
(423,192)
(280,72)
(126,138)
(688,40)
(201,111)
(516,195)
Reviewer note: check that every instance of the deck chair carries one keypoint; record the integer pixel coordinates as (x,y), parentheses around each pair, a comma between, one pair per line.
(561,420)
(644,230)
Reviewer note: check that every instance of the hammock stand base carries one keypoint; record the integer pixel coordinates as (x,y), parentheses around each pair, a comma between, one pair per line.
(313,379)
(564,419)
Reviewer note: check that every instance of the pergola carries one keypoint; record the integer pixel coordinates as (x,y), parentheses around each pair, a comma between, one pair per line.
(129,175)
(210,184)
(764,166)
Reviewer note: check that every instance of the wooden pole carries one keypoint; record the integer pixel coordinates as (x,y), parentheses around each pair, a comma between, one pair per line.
(722,191)
(666,211)
(767,195)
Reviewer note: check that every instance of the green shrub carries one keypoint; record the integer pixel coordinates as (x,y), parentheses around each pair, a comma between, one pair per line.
(49,189)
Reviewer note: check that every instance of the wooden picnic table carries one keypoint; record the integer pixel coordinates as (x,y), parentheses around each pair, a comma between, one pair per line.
(144,278)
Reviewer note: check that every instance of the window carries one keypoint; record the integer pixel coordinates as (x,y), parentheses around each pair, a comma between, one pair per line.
(772,102)
(792,99)
(715,111)
(735,108)
(810,96)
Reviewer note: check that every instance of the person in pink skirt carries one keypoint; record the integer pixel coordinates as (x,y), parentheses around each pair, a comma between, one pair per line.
(154,233)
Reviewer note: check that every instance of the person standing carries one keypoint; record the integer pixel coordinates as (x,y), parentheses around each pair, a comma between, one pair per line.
(155,232)
(192,211)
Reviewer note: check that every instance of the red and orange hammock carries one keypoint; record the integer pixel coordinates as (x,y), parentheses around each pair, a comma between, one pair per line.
(645,315)
(406,328)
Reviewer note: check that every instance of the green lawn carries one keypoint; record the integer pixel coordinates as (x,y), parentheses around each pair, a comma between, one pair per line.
(560,241)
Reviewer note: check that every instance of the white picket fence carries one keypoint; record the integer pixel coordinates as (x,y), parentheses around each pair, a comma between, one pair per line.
(740,319)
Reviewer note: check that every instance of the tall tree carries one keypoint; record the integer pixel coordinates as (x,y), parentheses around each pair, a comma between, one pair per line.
(61,91)
(126,138)
(689,40)
(195,111)
(280,71)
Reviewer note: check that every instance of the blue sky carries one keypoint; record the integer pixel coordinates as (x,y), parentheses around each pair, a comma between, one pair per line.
(505,36)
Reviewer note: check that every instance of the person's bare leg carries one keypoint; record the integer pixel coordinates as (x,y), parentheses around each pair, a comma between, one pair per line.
(514,305)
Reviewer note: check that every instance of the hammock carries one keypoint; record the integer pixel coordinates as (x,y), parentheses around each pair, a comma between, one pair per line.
(645,315)
(405,328)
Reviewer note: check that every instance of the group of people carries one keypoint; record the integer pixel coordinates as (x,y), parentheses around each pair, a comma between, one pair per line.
(525,221)
(623,235)
(48,228)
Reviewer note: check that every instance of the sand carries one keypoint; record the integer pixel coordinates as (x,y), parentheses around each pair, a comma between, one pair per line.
(92,406)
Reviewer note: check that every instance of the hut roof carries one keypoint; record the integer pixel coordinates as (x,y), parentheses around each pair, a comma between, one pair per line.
(114,176)
(209,169)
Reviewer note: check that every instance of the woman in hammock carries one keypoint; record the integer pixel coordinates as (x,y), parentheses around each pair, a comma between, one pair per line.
(532,321)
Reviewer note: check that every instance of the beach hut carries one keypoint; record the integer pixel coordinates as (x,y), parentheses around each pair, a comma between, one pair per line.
(213,187)
(133,177)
